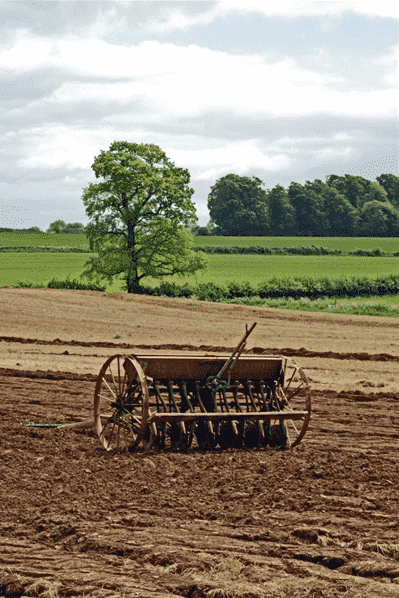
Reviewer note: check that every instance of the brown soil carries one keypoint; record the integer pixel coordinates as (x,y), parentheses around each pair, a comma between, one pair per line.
(319,520)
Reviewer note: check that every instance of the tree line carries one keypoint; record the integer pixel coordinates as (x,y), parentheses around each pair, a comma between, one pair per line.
(58,226)
(342,206)
(141,215)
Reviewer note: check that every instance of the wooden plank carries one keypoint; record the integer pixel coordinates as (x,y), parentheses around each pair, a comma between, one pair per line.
(258,415)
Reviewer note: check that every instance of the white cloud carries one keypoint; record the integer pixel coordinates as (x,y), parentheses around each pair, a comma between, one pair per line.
(238,157)
(171,80)
(328,153)
(295,141)
(295,9)
(174,18)
(390,60)
(57,146)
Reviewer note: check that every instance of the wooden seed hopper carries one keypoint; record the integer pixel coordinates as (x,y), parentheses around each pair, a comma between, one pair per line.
(227,401)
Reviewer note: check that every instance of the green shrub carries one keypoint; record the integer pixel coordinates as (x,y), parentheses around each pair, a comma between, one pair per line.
(210,291)
(25,283)
(74,284)
(243,289)
(169,289)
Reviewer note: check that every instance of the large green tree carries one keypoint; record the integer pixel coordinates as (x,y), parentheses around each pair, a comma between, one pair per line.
(59,226)
(379,219)
(282,214)
(390,183)
(342,217)
(56,227)
(139,215)
(375,192)
(238,206)
(74,227)
(357,189)
(310,219)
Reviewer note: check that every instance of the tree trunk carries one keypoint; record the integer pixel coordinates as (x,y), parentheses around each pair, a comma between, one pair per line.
(132,282)
(133,285)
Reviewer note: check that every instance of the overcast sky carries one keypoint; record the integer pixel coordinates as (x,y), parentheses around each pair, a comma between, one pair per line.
(285,91)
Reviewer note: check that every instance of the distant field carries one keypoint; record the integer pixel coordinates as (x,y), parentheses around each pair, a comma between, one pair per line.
(256,268)
(390,245)
(41,267)
(38,239)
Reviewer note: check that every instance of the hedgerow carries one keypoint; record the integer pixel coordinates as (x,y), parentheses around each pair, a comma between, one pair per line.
(297,287)
(303,250)
(56,283)
(223,249)
(44,249)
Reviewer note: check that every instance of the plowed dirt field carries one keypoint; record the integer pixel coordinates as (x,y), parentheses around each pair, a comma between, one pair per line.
(319,520)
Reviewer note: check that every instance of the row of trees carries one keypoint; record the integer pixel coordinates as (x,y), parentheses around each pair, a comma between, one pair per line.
(340,206)
(31,229)
(58,226)
(140,213)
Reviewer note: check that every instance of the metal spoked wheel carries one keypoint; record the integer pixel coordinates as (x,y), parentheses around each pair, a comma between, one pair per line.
(293,395)
(121,403)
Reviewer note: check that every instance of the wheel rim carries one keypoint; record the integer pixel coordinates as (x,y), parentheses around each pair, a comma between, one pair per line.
(121,403)
(293,395)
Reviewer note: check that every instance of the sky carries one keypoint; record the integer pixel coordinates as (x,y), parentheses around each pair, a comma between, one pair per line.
(284,91)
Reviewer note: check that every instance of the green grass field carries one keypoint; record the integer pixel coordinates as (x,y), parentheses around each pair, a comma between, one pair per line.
(389,245)
(256,268)
(38,239)
(41,267)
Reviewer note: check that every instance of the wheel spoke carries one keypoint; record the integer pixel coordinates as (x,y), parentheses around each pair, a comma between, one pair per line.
(289,443)
(119,375)
(292,377)
(292,423)
(124,385)
(295,392)
(112,376)
(110,389)
(295,395)
(104,413)
(124,405)
(106,398)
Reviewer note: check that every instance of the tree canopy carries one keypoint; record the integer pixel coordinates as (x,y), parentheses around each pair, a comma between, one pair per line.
(340,206)
(379,219)
(238,207)
(390,184)
(59,226)
(139,215)
(282,214)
